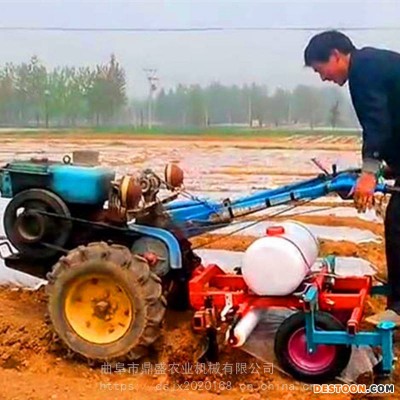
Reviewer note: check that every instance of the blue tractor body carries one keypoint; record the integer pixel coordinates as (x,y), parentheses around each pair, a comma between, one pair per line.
(58,205)
(75,196)
(75,184)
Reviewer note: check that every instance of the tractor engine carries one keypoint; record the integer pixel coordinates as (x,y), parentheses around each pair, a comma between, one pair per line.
(137,196)
(55,206)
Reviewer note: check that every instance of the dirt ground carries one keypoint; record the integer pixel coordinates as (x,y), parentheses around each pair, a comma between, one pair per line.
(33,365)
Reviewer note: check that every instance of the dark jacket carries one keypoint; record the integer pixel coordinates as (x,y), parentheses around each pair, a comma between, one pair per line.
(374,82)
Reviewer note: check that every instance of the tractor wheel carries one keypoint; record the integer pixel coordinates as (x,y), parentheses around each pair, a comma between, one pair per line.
(104,303)
(325,364)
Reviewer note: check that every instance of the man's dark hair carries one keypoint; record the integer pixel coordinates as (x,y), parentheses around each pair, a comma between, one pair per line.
(321,46)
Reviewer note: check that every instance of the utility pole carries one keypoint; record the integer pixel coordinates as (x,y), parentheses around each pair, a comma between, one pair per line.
(46,105)
(153,80)
(206,119)
(250,112)
(289,117)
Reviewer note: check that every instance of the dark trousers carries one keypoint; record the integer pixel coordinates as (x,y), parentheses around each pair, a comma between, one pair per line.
(392,239)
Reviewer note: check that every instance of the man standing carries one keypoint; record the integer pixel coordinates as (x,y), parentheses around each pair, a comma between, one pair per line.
(374,82)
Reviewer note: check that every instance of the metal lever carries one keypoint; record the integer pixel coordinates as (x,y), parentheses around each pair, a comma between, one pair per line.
(320,166)
(228,306)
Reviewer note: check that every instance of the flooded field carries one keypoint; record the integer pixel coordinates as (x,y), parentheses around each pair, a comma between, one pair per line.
(210,166)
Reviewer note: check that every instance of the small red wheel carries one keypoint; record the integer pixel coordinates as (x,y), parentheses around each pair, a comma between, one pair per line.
(326,363)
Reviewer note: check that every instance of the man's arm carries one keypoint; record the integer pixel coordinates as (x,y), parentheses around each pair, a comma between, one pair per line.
(370,100)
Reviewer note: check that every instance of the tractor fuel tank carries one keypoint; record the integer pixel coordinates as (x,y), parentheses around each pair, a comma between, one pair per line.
(75,184)
(80,184)
(276,264)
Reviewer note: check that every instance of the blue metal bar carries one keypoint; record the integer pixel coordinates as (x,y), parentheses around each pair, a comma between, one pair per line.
(310,299)
(310,330)
(342,337)
(311,296)
(331,261)
(382,337)
(210,213)
(386,329)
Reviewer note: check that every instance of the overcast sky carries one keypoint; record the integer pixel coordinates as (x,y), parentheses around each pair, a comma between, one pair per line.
(274,58)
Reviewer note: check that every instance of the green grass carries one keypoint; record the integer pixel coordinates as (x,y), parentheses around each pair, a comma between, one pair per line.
(223,132)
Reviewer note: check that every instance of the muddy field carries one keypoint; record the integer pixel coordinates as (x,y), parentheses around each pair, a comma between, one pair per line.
(211,166)
(34,366)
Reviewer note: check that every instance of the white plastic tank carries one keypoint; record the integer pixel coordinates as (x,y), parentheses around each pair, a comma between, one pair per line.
(275,265)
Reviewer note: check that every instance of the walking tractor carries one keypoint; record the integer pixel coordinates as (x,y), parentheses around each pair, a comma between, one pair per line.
(117,252)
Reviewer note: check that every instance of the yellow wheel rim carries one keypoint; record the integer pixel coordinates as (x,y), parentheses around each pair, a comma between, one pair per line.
(98,309)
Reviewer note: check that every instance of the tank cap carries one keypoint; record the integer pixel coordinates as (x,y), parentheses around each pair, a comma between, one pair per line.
(275,230)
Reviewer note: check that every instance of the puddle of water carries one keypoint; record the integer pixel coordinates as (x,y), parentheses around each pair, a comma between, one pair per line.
(329,199)
(199,162)
(226,259)
(369,215)
(339,233)
(14,278)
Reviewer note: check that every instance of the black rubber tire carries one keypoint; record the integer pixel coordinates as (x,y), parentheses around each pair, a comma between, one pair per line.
(133,274)
(47,201)
(323,321)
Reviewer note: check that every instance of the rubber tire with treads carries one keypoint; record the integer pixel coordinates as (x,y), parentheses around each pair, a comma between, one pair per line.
(323,321)
(133,274)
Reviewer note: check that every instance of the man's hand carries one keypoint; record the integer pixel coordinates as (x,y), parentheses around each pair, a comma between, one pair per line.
(364,191)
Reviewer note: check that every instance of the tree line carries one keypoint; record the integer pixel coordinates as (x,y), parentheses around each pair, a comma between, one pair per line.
(30,94)
(68,96)
(253,105)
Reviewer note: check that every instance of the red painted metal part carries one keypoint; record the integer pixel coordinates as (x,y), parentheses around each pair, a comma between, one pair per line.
(345,296)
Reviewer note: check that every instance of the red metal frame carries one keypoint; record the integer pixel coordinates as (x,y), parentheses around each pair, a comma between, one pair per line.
(347,295)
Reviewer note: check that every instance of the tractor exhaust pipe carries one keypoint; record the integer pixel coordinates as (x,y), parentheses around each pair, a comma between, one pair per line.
(237,336)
